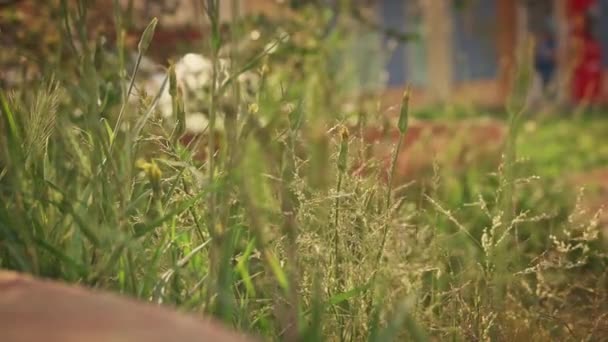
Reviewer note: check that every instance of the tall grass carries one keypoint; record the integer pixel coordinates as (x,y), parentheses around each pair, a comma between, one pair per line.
(258,234)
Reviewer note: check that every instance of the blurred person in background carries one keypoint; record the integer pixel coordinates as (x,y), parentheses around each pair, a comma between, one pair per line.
(586,85)
(545,57)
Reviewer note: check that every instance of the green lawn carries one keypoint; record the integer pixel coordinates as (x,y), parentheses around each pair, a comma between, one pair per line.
(564,146)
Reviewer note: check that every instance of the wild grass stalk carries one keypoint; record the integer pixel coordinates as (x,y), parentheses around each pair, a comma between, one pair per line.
(142,47)
(339,276)
(402,126)
(119,31)
(516,108)
(290,229)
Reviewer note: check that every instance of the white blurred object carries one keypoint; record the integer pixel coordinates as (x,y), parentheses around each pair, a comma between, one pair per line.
(197,123)
(194,71)
(194,74)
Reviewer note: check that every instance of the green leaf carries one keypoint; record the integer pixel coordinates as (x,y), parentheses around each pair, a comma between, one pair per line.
(352,293)
(148,227)
(10,119)
(73,265)
(108,130)
(243,269)
(275,266)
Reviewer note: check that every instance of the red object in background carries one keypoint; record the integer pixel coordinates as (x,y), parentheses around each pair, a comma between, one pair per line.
(587,73)
(576,7)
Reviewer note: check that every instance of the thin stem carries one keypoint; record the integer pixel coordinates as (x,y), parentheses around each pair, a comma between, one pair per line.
(212,11)
(290,229)
(388,201)
(336,220)
(126,98)
(338,260)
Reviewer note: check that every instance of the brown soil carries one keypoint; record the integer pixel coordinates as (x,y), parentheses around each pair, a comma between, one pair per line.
(41,310)
(455,145)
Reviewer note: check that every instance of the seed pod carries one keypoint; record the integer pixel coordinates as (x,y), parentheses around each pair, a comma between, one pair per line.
(98,57)
(180,114)
(172,80)
(403,115)
(146,37)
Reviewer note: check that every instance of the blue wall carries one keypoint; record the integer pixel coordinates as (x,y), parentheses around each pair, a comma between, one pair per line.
(407,63)
(475,31)
(475,45)
(602,29)
(392,15)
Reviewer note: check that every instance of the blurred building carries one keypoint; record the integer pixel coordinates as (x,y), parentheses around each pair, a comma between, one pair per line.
(469,48)
(466,54)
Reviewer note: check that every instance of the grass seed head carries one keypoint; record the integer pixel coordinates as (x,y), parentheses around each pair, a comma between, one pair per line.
(146,37)
(403,115)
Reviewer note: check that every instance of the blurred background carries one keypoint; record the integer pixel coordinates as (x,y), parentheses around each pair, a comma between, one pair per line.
(459,57)
(457,51)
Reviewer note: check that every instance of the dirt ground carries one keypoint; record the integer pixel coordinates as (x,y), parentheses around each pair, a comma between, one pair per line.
(40,310)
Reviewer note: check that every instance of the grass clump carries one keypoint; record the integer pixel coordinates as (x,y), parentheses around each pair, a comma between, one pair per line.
(272,233)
